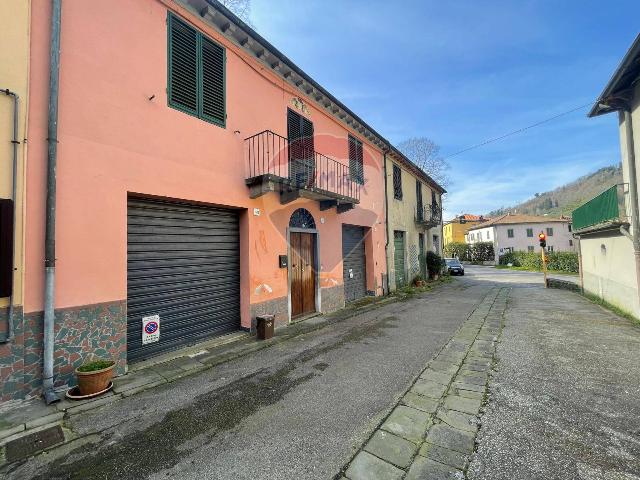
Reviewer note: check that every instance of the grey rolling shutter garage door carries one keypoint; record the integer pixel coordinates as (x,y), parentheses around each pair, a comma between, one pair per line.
(354,263)
(183,263)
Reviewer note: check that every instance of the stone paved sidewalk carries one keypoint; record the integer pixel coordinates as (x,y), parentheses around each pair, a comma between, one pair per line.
(430,433)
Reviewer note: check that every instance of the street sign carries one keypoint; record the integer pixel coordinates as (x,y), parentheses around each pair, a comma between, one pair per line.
(150,329)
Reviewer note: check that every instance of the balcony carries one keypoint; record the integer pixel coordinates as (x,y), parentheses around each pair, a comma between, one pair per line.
(428,216)
(607,210)
(295,171)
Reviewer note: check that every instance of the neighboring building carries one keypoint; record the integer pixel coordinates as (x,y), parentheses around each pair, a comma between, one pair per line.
(14,83)
(514,232)
(414,220)
(202,177)
(608,225)
(455,230)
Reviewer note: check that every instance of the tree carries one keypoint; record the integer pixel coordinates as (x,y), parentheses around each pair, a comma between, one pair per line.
(242,9)
(426,155)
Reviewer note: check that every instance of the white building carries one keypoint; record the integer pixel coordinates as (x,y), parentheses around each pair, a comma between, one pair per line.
(609,225)
(512,233)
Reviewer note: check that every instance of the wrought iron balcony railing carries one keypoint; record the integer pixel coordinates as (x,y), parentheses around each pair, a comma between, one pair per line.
(607,209)
(274,162)
(429,216)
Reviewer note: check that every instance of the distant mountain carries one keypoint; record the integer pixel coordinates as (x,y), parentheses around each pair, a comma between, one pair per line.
(563,200)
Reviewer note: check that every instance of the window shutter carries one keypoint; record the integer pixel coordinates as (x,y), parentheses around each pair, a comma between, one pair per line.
(183,66)
(397,182)
(356,169)
(213,72)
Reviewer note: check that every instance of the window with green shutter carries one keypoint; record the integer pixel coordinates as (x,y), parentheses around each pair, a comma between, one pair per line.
(356,168)
(196,76)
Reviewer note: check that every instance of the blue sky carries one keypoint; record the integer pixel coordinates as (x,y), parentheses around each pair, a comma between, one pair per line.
(465,71)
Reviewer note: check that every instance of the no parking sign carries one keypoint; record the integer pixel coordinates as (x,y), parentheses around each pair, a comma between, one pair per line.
(150,329)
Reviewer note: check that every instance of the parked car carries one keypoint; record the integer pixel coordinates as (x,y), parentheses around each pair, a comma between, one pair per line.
(454,266)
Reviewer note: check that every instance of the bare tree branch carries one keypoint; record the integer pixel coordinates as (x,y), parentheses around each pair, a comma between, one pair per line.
(242,8)
(426,155)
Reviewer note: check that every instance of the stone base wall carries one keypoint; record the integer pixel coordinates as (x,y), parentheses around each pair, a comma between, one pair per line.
(277,306)
(80,332)
(332,299)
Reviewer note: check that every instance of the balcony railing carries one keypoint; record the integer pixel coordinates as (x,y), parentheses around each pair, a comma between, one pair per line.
(429,216)
(296,170)
(607,209)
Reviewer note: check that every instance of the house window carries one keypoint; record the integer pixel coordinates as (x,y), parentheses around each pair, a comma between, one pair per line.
(569,225)
(510,232)
(196,73)
(436,244)
(529,232)
(549,232)
(530,248)
(356,168)
(479,236)
(549,248)
(571,243)
(397,182)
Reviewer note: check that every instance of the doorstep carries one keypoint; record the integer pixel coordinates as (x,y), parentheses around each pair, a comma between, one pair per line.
(33,421)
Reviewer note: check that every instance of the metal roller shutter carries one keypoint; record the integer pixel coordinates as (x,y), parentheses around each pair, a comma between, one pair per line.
(183,264)
(354,263)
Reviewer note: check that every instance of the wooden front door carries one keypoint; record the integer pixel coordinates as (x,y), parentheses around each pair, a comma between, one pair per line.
(303,275)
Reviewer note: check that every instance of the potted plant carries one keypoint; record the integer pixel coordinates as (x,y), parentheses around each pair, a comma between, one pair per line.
(418,281)
(94,376)
(434,265)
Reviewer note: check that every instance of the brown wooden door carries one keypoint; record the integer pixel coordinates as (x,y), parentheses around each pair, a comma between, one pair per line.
(303,277)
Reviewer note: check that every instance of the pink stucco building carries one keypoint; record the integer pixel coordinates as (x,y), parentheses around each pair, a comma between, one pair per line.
(202,177)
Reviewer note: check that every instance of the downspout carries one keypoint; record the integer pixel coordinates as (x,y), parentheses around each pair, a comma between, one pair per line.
(14,196)
(386,216)
(633,191)
(50,232)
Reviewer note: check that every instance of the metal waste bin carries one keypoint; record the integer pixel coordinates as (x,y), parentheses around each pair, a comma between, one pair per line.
(264,326)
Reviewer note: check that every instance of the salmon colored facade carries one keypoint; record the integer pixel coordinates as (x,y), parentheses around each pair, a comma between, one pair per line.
(118,138)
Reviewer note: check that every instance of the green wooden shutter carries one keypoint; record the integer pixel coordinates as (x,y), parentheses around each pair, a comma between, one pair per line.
(196,83)
(356,169)
(213,73)
(183,66)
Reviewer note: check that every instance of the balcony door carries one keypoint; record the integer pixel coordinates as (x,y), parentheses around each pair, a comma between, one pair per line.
(301,149)
(419,206)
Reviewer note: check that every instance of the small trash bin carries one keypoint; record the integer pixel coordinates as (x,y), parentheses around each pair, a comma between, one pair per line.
(264,326)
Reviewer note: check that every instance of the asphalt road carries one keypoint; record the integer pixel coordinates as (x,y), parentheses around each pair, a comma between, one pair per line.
(299,409)
(563,398)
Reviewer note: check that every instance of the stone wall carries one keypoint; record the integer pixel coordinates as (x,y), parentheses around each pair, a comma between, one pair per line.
(80,332)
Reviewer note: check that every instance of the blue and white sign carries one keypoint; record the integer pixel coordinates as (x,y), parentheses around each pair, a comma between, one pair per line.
(150,329)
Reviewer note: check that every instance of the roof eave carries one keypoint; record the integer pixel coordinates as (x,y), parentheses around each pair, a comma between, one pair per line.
(601,107)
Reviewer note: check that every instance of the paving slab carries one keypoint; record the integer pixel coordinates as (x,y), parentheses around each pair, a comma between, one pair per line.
(444,455)
(136,379)
(438,377)
(473,378)
(443,367)
(369,467)
(459,420)
(426,469)
(428,388)
(451,438)
(407,423)
(419,402)
(462,404)
(391,448)
(468,386)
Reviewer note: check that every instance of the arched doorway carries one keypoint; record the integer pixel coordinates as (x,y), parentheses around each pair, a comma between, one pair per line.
(303,261)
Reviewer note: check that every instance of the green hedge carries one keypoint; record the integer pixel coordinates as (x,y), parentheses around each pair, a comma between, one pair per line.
(476,252)
(563,261)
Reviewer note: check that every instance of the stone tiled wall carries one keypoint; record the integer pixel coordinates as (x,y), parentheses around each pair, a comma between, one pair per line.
(332,299)
(99,330)
(277,307)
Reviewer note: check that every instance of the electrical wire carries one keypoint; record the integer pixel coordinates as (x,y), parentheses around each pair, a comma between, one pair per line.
(520,130)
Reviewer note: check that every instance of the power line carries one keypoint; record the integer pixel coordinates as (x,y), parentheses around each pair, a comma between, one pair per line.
(501,137)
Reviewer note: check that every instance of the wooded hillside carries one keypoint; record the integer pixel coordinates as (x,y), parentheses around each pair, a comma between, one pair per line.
(566,198)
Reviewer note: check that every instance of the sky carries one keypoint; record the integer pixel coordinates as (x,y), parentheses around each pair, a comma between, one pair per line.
(466,71)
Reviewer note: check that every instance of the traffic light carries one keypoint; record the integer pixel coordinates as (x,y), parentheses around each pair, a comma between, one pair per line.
(543,239)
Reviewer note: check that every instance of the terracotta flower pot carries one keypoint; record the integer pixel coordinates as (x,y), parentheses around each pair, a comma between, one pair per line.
(94,382)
